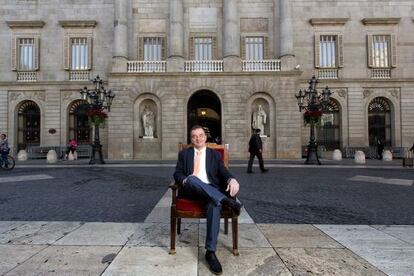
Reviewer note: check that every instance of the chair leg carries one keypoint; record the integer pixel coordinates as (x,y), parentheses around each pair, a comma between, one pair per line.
(235,230)
(226,226)
(173,229)
(178,226)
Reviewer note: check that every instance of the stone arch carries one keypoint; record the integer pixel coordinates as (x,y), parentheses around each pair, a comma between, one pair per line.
(29,122)
(329,130)
(78,126)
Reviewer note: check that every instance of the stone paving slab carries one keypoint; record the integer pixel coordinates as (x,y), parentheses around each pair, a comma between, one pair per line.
(297,235)
(8,225)
(249,236)
(97,233)
(402,232)
(156,234)
(154,261)
(38,232)
(251,261)
(14,255)
(324,261)
(67,260)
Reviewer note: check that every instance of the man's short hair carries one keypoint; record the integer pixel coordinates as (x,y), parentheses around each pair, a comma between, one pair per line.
(257,130)
(197,127)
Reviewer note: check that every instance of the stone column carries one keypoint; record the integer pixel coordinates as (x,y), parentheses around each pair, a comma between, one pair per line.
(231,37)
(120,54)
(175,61)
(286,36)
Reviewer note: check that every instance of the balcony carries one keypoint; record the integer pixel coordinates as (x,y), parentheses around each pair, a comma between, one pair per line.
(328,74)
(266,65)
(381,74)
(203,66)
(79,75)
(139,66)
(27,76)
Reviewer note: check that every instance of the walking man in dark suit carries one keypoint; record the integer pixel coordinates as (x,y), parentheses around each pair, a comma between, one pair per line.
(255,149)
(202,174)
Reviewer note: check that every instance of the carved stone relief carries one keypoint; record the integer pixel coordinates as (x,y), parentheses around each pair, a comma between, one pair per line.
(395,93)
(367,93)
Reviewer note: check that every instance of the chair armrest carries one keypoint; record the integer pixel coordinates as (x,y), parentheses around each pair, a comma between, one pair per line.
(174,186)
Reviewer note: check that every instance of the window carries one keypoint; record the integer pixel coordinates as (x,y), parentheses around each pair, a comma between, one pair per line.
(380,49)
(153,48)
(254,48)
(379,121)
(26,54)
(328,131)
(79,54)
(203,48)
(328,51)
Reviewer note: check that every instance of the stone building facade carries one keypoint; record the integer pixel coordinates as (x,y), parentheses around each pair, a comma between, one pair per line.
(208,62)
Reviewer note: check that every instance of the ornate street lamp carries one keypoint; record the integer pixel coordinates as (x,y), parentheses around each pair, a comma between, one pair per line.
(98,100)
(314,103)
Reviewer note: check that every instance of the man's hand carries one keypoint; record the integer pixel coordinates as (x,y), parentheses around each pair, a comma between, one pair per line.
(233,187)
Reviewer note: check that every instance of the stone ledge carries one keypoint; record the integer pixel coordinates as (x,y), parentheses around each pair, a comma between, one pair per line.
(26,24)
(328,21)
(381,21)
(78,23)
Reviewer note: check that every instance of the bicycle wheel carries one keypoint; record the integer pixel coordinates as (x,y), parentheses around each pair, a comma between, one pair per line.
(10,163)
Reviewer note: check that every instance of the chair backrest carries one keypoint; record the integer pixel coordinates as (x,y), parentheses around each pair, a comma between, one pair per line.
(222,149)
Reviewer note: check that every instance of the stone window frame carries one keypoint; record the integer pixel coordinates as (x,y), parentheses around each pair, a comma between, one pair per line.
(140,43)
(392,57)
(339,49)
(191,43)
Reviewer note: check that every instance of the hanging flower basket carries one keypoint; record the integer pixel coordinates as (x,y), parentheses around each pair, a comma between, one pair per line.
(97,116)
(314,117)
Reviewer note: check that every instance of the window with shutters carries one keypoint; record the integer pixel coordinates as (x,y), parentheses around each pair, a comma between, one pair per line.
(153,48)
(26,53)
(79,54)
(254,48)
(380,49)
(203,48)
(328,55)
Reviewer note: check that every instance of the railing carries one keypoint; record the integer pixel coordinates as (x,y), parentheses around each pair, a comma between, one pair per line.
(261,65)
(78,75)
(328,74)
(203,66)
(27,76)
(380,73)
(141,66)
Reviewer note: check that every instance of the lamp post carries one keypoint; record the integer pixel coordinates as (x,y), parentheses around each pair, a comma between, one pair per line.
(314,103)
(98,100)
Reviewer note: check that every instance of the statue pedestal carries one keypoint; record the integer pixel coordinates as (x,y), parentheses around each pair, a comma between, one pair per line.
(263,136)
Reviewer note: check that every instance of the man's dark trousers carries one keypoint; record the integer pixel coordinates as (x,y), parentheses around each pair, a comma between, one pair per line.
(194,186)
(250,164)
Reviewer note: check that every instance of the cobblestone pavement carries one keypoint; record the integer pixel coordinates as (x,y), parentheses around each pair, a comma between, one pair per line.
(75,219)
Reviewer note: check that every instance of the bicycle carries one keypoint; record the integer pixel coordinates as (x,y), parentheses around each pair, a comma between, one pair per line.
(9,164)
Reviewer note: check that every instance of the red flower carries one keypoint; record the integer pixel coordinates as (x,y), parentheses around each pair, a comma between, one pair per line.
(315,113)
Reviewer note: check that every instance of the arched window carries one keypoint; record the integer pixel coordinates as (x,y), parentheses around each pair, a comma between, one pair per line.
(379,121)
(28,125)
(328,132)
(79,128)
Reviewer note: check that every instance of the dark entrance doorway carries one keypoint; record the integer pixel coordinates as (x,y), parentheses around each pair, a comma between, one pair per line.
(379,122)
(79,128)
(204,108)
(28,130)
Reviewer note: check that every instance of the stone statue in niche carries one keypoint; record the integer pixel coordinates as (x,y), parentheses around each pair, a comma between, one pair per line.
(259,120)
(148,122)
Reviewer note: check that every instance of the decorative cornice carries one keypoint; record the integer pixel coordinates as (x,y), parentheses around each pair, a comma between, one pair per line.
(26,24)
(381,21)
(78,23)
(328,21)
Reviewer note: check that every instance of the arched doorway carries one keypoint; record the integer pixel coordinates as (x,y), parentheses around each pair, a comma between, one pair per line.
(328,132)
(79,128)
(379,121)
(204,108)
(28,125)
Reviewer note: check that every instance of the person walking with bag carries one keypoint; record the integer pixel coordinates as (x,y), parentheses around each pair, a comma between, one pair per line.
(255,149)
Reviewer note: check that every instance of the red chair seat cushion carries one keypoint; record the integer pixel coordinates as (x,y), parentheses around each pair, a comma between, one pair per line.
(187,205)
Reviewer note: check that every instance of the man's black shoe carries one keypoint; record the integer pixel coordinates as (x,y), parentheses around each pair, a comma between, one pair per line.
(233,204)
(249,171)
(213,262)
(265,170)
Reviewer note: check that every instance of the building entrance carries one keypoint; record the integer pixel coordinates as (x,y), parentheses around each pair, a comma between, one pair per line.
(204,108)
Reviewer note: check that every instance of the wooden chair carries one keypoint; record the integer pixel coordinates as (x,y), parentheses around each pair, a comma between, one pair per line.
(185,208)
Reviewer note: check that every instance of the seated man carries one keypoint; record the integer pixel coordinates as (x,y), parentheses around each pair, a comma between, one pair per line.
(202,174)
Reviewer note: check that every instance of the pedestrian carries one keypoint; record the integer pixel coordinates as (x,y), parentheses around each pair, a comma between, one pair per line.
(4,149)
(72,146)
(255,149)
(202,175)
(380,149)
(412,148)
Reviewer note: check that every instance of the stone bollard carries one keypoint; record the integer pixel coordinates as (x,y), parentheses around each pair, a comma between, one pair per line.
(51,157)
(71,156)
(337,155)
(387,155)
(22,155)
(359,157)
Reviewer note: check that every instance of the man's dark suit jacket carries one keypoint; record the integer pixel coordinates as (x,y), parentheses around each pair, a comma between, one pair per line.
(217,174)
(255,143)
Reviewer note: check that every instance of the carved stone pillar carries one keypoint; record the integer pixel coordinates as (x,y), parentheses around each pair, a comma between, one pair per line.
(175,61)
(286,36)
(120,54)
(231,36)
